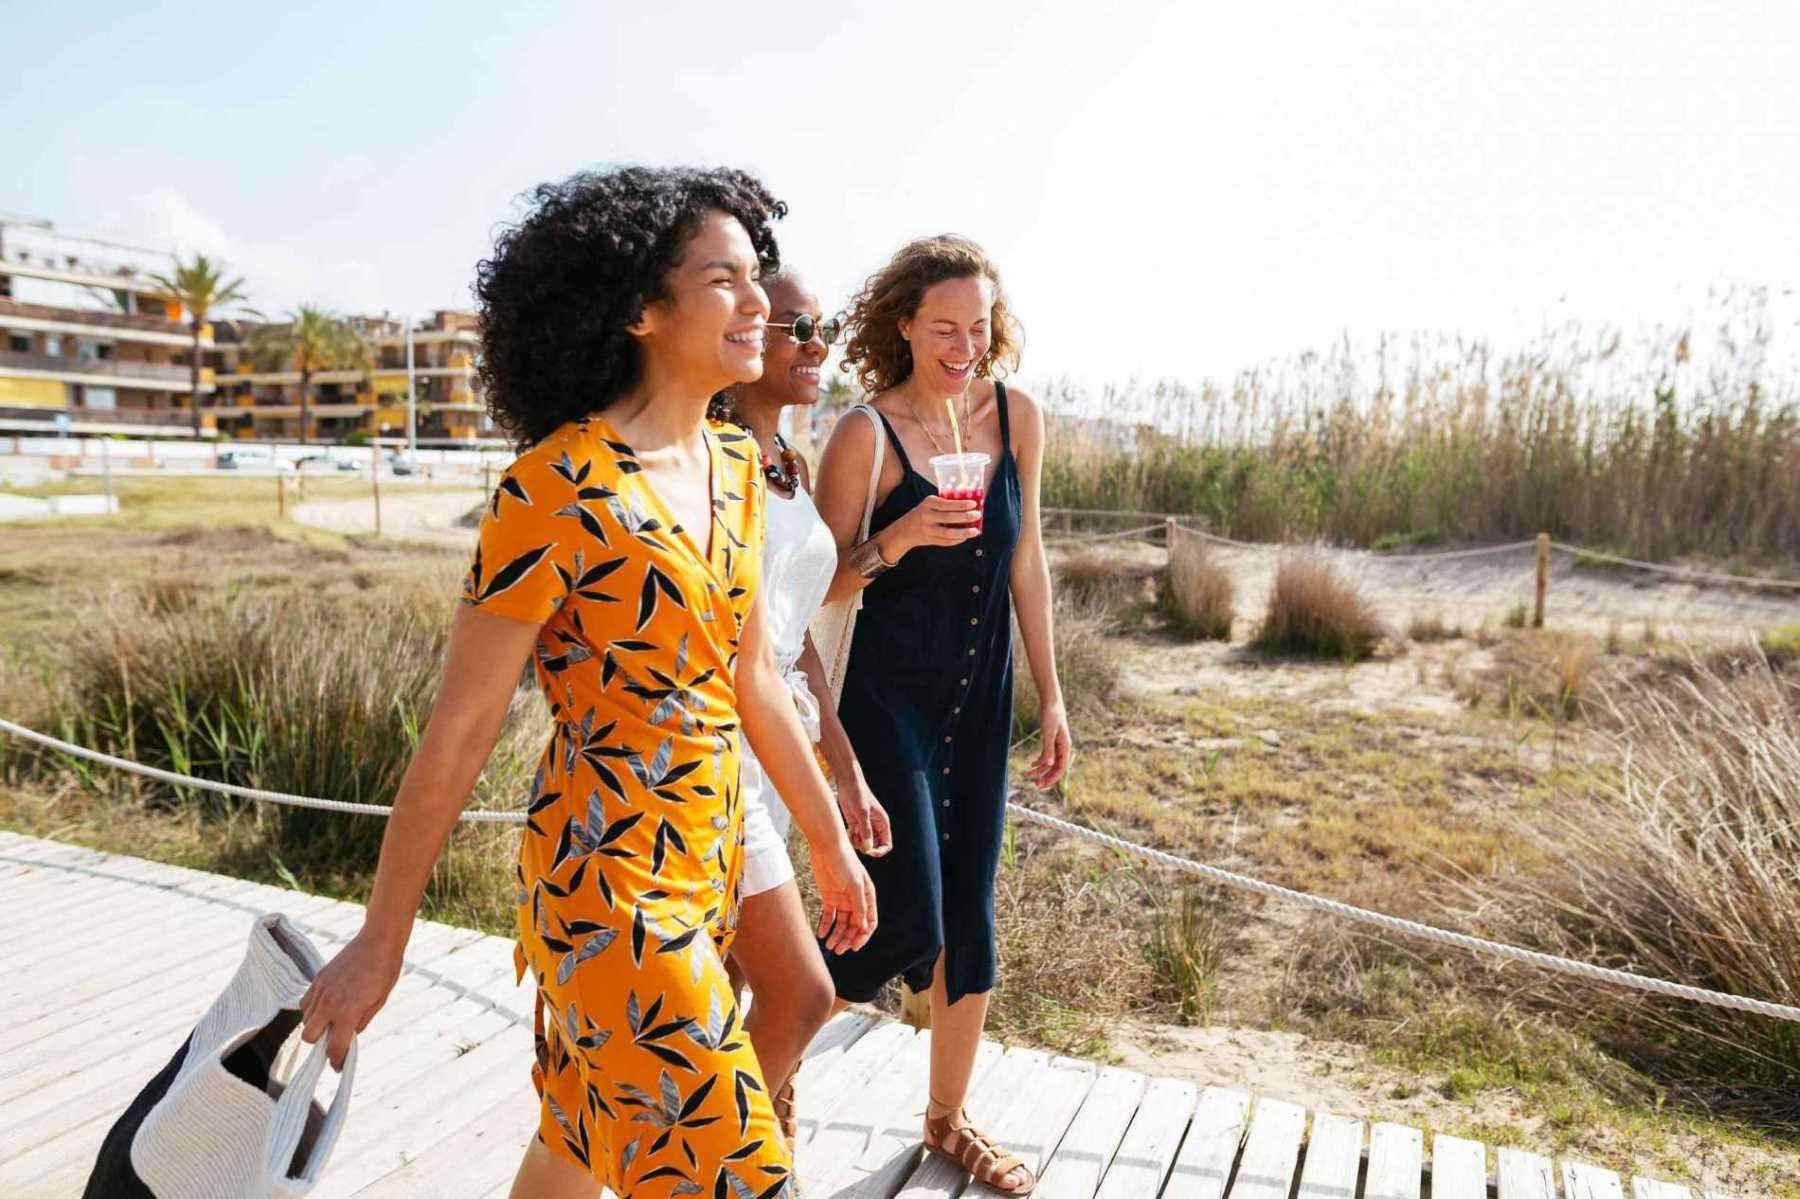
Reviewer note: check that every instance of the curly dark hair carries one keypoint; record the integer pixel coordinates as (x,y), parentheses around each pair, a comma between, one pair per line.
(564,284)
(881,358)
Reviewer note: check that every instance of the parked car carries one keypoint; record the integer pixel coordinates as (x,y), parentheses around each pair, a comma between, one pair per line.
(402,463)
(253,457)
(334,456)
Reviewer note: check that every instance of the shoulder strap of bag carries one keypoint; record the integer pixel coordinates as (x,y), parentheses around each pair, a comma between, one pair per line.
(875,465)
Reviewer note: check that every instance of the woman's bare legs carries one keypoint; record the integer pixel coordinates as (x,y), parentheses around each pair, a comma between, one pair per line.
(543,1175)
(779,959)
(955,1039)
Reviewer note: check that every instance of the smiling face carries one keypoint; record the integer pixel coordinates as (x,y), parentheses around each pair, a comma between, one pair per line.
(708,331)
(950,333)
(791,369)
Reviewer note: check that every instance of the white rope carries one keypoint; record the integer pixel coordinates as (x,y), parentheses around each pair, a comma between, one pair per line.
(1121,535)
(1441,555)
(1707,576)
(1203,535)
(476,816)
(1546,961)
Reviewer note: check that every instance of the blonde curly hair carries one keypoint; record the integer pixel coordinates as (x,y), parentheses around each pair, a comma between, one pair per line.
(879,355)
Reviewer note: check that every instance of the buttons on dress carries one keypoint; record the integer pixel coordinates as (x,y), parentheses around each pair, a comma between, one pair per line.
(975,621)
(962,682)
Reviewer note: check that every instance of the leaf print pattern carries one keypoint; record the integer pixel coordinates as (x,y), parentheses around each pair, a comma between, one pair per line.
(628,867)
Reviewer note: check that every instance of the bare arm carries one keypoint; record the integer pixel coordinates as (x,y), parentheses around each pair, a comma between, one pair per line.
(766,709)
(1030,583)
(843,489)
(486,656)
(867,820)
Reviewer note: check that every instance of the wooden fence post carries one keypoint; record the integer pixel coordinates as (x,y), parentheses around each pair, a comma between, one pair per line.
(915,1007)
(1543,579)
(375,482)
(280,494)
(1169,534)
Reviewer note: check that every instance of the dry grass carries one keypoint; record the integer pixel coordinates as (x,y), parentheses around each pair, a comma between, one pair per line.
(1086,665)
(1536,674)
(1427,627)
(1103,582)
(1198,596)
(1688,868)
(1314,612)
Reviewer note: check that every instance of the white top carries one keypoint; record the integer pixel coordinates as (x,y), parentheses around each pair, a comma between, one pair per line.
(800,557)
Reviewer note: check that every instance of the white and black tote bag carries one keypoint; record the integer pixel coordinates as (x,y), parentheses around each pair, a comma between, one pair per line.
(226,1119)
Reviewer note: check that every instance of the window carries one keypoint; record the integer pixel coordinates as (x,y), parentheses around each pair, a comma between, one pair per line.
(19,343)
(100,397)
(104,351)
(53,344)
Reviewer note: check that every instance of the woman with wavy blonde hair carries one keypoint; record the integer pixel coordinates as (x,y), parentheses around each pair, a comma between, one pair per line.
(927,693)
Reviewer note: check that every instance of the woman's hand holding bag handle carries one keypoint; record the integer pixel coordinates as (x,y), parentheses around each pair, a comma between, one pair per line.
(220,1121)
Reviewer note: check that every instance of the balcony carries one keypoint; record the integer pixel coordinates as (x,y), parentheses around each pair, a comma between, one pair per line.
(154,376)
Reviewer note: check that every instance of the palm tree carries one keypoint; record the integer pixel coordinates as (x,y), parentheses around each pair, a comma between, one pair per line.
(200,287)
(312,340)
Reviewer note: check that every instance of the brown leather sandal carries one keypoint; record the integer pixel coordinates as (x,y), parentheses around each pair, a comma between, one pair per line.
(976,1152)
(783,1104)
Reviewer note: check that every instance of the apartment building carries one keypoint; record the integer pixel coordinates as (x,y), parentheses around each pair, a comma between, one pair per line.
(85,333)
(88,340)
(258,402)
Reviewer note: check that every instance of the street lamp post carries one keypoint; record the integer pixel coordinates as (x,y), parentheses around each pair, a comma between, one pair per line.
(412,402)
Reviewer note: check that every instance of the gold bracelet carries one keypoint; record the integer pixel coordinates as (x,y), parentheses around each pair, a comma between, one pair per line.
(867,560)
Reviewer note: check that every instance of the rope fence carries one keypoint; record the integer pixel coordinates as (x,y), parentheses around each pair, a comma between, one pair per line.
(1168,522)
(1412,928)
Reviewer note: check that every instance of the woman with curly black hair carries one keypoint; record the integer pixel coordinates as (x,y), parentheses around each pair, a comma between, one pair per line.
(623,547)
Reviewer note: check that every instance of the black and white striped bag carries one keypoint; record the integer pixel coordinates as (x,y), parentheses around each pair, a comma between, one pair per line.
(228,1118)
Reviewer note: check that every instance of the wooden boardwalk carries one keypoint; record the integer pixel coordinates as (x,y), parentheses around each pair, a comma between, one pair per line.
(108,961)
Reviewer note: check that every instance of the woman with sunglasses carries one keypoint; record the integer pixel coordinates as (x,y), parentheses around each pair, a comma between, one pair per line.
(927,696)
(775,952)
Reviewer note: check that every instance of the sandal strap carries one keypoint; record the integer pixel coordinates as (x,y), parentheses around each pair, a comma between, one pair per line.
(976,1151)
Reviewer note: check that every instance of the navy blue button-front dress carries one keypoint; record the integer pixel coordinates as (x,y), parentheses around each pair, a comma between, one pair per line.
(927,704)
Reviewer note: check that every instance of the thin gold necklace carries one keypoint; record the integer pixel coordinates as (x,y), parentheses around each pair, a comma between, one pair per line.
(913,402)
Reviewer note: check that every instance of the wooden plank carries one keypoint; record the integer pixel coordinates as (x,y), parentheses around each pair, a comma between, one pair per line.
(117,986)
(1333,1158)
(1271,1151)
(1650,1188)
(1087,1149)
(817,1096)
(1396,1162)
(1210,1150)
(411,1119)
(1525,1175)
(74,1045)
(873,1143)
(1025,1103)
(1147,1154)
(1590,1182)
(474,1159)
(1458,1169)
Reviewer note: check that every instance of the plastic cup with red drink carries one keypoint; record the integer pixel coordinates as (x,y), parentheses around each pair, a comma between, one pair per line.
(963,477)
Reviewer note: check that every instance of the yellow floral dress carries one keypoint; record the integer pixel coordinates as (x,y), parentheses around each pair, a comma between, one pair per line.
(628,869)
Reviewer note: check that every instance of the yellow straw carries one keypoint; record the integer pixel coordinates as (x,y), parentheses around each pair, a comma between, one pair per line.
(955,429)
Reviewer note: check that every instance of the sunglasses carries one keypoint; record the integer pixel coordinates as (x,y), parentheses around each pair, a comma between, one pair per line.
(805,328)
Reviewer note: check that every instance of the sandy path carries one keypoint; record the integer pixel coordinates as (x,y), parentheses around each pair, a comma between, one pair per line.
(405,516)
(1474,590)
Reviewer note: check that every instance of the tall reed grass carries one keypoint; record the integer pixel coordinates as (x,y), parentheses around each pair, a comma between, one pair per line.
(296,696)
(1687,868)
(1679,442)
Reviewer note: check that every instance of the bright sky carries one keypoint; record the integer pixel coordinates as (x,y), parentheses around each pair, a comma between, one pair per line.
(1171,187)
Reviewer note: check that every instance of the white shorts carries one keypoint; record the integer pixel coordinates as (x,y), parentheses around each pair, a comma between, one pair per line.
(766,822)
